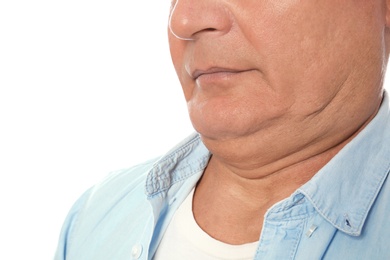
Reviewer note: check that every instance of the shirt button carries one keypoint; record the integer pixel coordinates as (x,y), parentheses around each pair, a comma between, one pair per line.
(136,251)
(172,201)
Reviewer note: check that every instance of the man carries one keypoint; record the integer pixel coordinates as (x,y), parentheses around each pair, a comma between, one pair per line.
(292,156)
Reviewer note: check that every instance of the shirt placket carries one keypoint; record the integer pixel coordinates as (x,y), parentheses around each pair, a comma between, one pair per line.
(283,228)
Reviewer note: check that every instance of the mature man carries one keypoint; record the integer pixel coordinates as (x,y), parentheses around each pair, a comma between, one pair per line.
(293,146)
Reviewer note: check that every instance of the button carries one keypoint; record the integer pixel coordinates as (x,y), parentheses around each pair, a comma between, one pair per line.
(347,221)
(136,251)
(311,230)
(172,201)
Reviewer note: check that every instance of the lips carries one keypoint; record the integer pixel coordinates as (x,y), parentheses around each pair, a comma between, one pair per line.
(215,71)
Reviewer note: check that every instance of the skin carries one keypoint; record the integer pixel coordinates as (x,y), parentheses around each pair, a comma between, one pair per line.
(275,89)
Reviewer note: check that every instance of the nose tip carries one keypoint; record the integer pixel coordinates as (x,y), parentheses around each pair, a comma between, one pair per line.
(176,25)
(189,19)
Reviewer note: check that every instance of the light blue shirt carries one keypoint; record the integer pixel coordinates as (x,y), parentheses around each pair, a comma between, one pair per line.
(341,213)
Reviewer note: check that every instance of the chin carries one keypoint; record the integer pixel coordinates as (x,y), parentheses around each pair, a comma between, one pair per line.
(230,118)
(227,129)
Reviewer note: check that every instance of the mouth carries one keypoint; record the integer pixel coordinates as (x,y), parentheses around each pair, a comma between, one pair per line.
(215,71)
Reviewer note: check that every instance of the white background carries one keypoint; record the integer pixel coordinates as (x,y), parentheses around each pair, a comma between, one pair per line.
(86,87)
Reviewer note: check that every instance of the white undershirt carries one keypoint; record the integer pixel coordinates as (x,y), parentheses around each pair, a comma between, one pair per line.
(184,239)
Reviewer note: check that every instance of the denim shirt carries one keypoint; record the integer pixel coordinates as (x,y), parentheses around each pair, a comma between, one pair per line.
(341,213)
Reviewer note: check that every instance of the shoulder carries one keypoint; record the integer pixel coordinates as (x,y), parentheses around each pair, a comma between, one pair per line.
(118,186)
(119,198)
(122,181)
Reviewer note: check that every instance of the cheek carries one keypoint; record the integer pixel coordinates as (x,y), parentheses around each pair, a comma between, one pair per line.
(303,51)
(176,51)
(177,48)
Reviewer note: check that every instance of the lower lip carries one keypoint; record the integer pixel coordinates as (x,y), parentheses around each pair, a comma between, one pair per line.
(219,77)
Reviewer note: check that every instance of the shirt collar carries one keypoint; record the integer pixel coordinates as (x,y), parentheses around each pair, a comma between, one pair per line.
(344,190)
(186,159)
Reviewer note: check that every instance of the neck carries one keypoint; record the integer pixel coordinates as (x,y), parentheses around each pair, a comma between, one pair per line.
(236,190)
(264,185)
(238,198)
